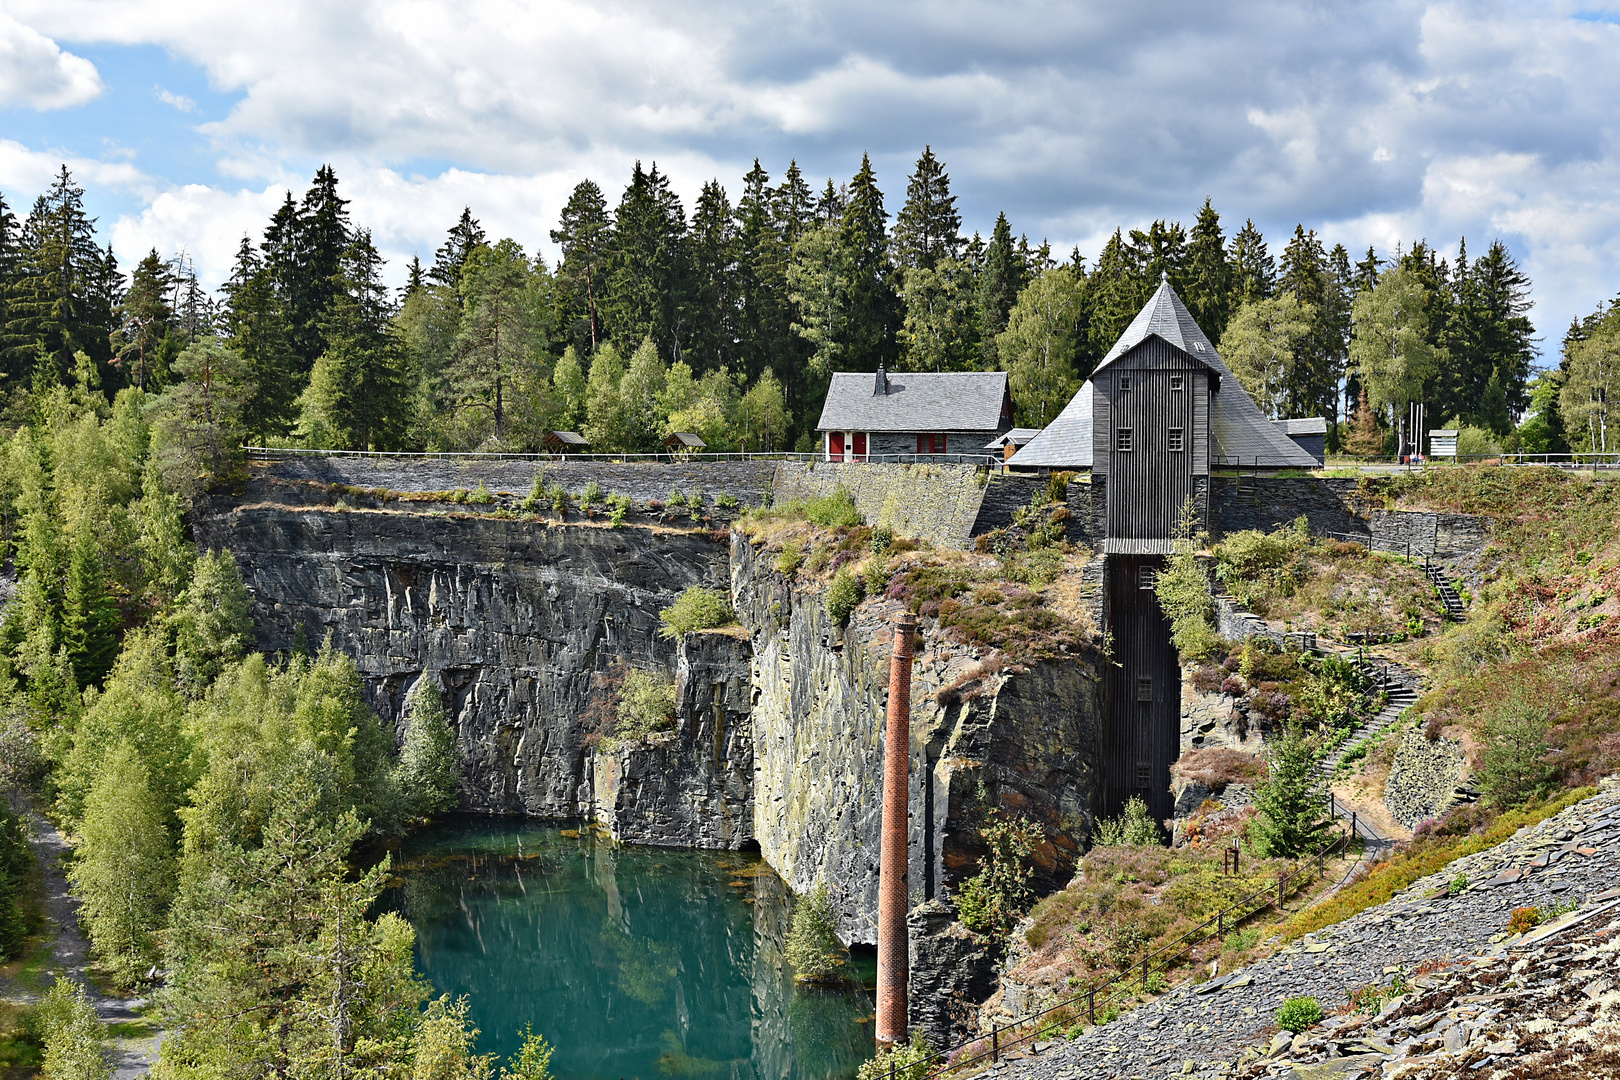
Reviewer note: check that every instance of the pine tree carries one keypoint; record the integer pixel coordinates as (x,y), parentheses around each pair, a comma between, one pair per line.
(52,305)
(792,205)
(1208,276)
(322,239)
(1292,820)
(428,771)
(255,324)
(1000,280)
(1313,386)
(928,227)
(90,621)
(766,219)
(499,361)
(198,420)
(1115,292)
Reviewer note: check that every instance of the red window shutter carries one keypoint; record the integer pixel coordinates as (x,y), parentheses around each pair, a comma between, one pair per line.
(919,443)
(835,445)
(860,444)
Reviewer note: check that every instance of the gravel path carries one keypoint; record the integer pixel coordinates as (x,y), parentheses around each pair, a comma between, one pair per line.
(71,952)
(1203,1030)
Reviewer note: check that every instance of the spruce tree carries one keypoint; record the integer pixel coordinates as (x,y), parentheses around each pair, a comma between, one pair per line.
(428,771)
(714,247)
(1208,275)
(648,281)
(145,317)
(1253,270)
(499,360)
(451,257)
(255,324)
(874,313)
(928,227)
(1001,278)
(585,234)
(1115,292)
(792,204)
(1313,386)
(323,238)
(1292,819)
(768,222)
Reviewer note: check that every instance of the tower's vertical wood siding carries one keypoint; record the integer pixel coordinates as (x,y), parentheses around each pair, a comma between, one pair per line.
(1150,483)
(1140,734)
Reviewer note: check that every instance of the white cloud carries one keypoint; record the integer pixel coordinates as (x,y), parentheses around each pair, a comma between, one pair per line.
(26,170)
(177,101)
(36,73)
(1378,122)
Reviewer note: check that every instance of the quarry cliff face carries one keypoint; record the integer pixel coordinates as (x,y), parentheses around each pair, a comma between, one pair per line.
(519,619)
(1023,741)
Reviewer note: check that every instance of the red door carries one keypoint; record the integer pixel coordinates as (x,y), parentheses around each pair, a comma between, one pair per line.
(860,446)
(835,446)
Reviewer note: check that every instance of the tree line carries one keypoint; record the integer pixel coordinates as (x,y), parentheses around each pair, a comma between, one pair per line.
(729,319)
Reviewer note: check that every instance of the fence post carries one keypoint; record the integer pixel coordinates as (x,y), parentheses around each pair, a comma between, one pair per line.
(1144,972)
(1352,823)
(995,1044)
(1220,922)
(1280,880)
(891,1066)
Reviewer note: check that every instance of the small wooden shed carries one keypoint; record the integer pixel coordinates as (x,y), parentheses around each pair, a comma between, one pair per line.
(684,442)
(565,442)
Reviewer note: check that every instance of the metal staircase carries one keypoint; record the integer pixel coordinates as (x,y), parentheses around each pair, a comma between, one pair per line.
(1400,690)
(1448,592)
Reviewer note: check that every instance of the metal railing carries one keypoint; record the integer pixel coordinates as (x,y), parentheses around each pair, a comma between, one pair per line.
(1135,978)
(677,457)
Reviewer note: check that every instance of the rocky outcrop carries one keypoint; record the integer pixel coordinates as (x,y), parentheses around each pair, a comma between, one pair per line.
(519,619)
(952,971)
(693,786)
(1024,741)
(1426,778)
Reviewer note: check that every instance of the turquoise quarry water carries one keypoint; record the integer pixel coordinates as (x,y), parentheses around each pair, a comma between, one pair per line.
(634,962)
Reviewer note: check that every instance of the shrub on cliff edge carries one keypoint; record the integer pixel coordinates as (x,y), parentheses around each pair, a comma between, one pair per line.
(843,595)
(696,608)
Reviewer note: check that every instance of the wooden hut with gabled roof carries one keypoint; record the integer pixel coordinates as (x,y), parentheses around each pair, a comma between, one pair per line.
(1157,414)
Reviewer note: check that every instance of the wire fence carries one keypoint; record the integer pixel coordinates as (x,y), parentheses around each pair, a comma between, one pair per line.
(666,457)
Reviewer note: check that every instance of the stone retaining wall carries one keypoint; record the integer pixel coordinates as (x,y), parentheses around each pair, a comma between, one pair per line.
(936,502)
(747,481)
(1426,778)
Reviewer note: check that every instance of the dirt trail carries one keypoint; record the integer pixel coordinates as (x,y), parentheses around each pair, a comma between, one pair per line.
(70,952)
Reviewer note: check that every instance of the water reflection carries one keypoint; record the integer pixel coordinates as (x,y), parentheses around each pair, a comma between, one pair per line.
(636,963)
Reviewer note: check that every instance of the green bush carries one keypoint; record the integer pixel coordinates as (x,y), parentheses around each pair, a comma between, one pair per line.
(834,511)
(559,498)
(696,608)
(813,948)
(646,704)
(676,498)
(16,877)
(992,901)
(1133,826)
(791,557)
(844,594)
(481,495)
(1299,1013)
(536,498)
(726,502)
(428,772)
(909,1060)
(882,537)
(593,494)
(1514,770)
(1240,940)
(1182,589)
(1334,694)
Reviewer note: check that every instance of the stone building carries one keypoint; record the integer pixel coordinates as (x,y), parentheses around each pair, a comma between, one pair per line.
(934,416)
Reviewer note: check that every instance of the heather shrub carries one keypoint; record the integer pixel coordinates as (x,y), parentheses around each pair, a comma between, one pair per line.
(696,608)
(1299,1013)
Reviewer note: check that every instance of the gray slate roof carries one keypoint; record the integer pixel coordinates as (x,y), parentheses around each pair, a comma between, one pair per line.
(1238,430)
(1018,436)
(685,438)
(1306,425)
(916,401)
(570,438)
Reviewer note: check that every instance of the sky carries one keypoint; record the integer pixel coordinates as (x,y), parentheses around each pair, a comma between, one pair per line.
(1375,122)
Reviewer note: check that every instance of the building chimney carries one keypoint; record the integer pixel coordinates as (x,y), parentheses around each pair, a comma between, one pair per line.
(882,387)
(894,856)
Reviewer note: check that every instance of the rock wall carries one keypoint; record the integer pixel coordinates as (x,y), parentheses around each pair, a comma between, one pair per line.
(936,502)
(517,619)
(1426,778)
(694,786)
(1028,743)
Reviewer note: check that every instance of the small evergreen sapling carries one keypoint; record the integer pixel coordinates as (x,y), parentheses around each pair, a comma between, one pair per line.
(813,948)
(1291,820)
(429,770)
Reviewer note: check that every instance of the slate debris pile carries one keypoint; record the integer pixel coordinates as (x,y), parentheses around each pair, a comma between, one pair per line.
(1203,1030)
(1546,1005)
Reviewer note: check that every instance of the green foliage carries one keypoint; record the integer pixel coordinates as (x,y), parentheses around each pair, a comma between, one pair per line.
(1514,769)
(442,1049)
(429,769)
(1134,825)
(1292,819)
(592,494)
(124,875)
(532,1060)
(1241,940)
(833,511)
(909,1060)
(1183,593)
(696,608)
(481,495)
(17,876)
(73,1035)
(1335,693)
(1299,1013)
(992,901)
(1458,885)
(675,498)
(1265,344)
(790,558)
(726,502)
(813,949)
(1390,344)
(646,705)
(844,594)
(211,624)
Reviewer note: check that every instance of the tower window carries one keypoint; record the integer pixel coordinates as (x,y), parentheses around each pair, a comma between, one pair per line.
(1175,438)
(1144,774)
(1124,382)
(1144,689)
(1122,439)
(1175,382)
(1146,578)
